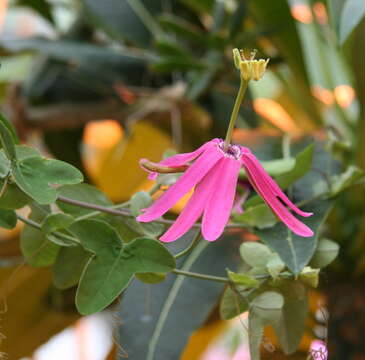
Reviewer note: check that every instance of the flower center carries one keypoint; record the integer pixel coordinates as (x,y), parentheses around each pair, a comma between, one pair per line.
(233,151)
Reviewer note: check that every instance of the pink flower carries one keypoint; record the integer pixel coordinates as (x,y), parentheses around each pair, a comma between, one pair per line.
(214,173)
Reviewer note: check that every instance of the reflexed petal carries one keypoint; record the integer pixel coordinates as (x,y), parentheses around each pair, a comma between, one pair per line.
(267,193)
(273,185)
(187,181)
(219,205)
(193,209)
(182,159)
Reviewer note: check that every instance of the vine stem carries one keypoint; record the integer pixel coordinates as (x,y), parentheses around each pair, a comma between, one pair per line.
(235,111)
(38,226)
(202,276)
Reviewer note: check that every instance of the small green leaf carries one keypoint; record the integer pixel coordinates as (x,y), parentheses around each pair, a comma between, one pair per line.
(268,306)
(255,254)
(279,166)
(243,279)
(260,216)
(290,328)
(36,248)
(8,219)
(69,265)
(326,251)
(139,201)
(352,13)
(112,267)
(151,278)
(23,152)
(13,197)
(7,142)
(4,165)
(81,192)
(309,276)
(275,266)
(232,304)
(342,181)
(54,222)
(10,127)
(255,334)
(303,163)
(35,176)
(58,222)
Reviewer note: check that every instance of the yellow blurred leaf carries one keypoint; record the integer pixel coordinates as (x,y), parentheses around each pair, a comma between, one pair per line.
(116,171)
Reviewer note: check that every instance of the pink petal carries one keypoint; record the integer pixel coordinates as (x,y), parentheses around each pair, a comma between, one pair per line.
(274,186)
(182,159)
(270,197)
(193,209)
(187,181)
(219,205)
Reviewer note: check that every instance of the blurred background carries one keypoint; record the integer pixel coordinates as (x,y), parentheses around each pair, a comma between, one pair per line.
(101,84)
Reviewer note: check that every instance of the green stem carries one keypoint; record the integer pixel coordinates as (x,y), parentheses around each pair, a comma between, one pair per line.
(235,111)
(153,190)
(39,227)
(192,245)
(202,276)
(171,298)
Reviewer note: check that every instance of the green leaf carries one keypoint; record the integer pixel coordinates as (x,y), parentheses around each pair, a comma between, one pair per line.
(23,152)
(243,279)
(351,176)
(112,267)
(268,306)
(264,309)
(139,201)
(326,251)
(4,165)
(79,52)
(69,265)
(8,219)
(255,254)
(36,248)
(352,13)
(35,176)
(275,266)
(172,299)
(232,304)
(255,334)
(132,27)
(81,192)
(279,166)
(259,216)
(13,197)
(151,278)
(7,141)
(10,127)
(294,250)
(291,325)
(303,163)
(56,222)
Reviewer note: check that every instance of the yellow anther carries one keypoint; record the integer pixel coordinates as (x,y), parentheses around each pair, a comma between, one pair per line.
(250,68)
